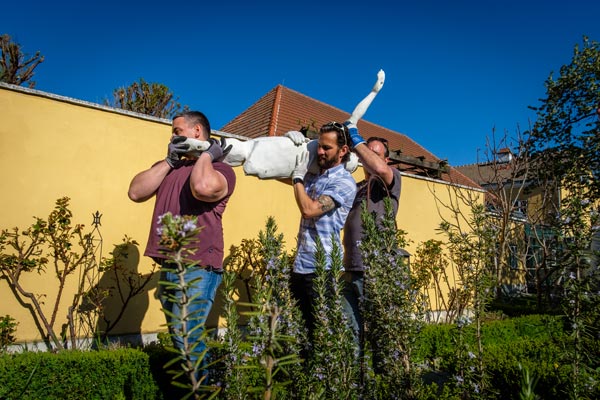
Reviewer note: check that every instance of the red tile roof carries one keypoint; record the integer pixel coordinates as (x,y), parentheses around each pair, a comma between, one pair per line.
(283,109)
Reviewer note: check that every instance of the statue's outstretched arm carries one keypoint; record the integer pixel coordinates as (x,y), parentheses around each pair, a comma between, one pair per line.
(361,107)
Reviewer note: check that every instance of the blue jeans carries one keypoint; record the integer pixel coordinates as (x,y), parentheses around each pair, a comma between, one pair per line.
(206,289)
(353,295)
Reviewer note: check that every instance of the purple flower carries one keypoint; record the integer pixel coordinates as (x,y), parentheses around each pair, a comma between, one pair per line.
(189,226)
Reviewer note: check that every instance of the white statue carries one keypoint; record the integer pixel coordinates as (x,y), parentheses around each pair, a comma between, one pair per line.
(275,156)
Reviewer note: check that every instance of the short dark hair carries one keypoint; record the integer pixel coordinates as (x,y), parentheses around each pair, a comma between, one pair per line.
(196,117)
(381,140)
(343,136)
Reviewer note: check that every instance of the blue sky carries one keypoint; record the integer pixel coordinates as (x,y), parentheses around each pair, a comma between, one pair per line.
(455,70)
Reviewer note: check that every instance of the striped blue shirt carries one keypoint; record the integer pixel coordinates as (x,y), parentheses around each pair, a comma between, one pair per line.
(338,184)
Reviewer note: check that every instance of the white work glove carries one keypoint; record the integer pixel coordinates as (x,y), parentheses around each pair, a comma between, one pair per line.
(296,137)
(301,165)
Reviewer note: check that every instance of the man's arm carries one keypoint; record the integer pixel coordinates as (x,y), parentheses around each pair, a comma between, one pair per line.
(311,208)
(145,184)
(207,184)
(374,164)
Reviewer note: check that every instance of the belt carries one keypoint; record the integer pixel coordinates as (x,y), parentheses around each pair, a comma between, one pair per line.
(356,272)
(209,268)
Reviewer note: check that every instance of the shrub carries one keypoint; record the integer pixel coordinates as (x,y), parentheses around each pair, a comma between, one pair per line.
(538,344)
(8,328)
(114,374)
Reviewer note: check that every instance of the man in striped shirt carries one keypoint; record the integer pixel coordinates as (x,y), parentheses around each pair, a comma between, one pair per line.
(324,200)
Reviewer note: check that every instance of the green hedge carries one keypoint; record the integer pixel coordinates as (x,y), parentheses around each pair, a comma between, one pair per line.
(113,374)
(436,340)
(539,343)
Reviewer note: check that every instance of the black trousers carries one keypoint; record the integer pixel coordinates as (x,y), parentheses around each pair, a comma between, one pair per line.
(301,286)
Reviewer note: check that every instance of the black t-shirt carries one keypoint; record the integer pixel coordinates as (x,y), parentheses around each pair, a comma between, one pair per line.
(353,231)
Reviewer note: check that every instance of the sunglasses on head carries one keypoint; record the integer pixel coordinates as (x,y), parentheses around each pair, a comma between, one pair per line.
(335,126)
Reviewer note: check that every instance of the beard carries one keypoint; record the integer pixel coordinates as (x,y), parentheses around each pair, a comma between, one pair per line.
(326,163)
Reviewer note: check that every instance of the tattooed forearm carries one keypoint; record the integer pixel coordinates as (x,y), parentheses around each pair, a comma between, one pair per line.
(327,203)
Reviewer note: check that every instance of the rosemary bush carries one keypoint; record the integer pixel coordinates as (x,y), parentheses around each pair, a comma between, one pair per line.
(393,308)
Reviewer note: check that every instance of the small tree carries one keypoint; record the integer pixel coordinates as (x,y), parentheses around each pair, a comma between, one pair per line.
(148,98)
(16,67)
(565,143)
(565,136)
(69,249)
(472,252)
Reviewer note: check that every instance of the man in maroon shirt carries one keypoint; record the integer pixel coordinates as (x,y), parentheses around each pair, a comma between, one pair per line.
(199,187)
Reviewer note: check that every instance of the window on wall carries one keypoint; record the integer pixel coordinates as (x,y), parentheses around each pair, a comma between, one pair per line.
(520,206)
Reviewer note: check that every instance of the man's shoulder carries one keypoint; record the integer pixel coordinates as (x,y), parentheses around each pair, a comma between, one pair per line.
(340,171)
(344,177)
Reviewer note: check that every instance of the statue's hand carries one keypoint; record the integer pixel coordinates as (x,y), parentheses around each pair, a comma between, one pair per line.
(380,81)
(196,147)
(296,137)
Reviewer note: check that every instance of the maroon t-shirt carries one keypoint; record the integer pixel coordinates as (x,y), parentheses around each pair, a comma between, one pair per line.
(175,195)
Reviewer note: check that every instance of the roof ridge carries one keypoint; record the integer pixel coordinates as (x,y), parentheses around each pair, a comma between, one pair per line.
(275,111)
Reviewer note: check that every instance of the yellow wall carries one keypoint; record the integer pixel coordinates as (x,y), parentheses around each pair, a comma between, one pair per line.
(424,203)
(55,147)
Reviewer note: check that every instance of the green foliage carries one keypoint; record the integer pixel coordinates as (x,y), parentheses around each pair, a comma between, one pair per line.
(73,253)
(473,254)
(8,328)
(147,98)
(246,263)
(231,346)
(16,67)
(580,285)
(178,235)
(65,246)
(393,308)
(265,361)
(528,383)
(115,374)
(565,135)
(536,343)
(430,267)
(333,365)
